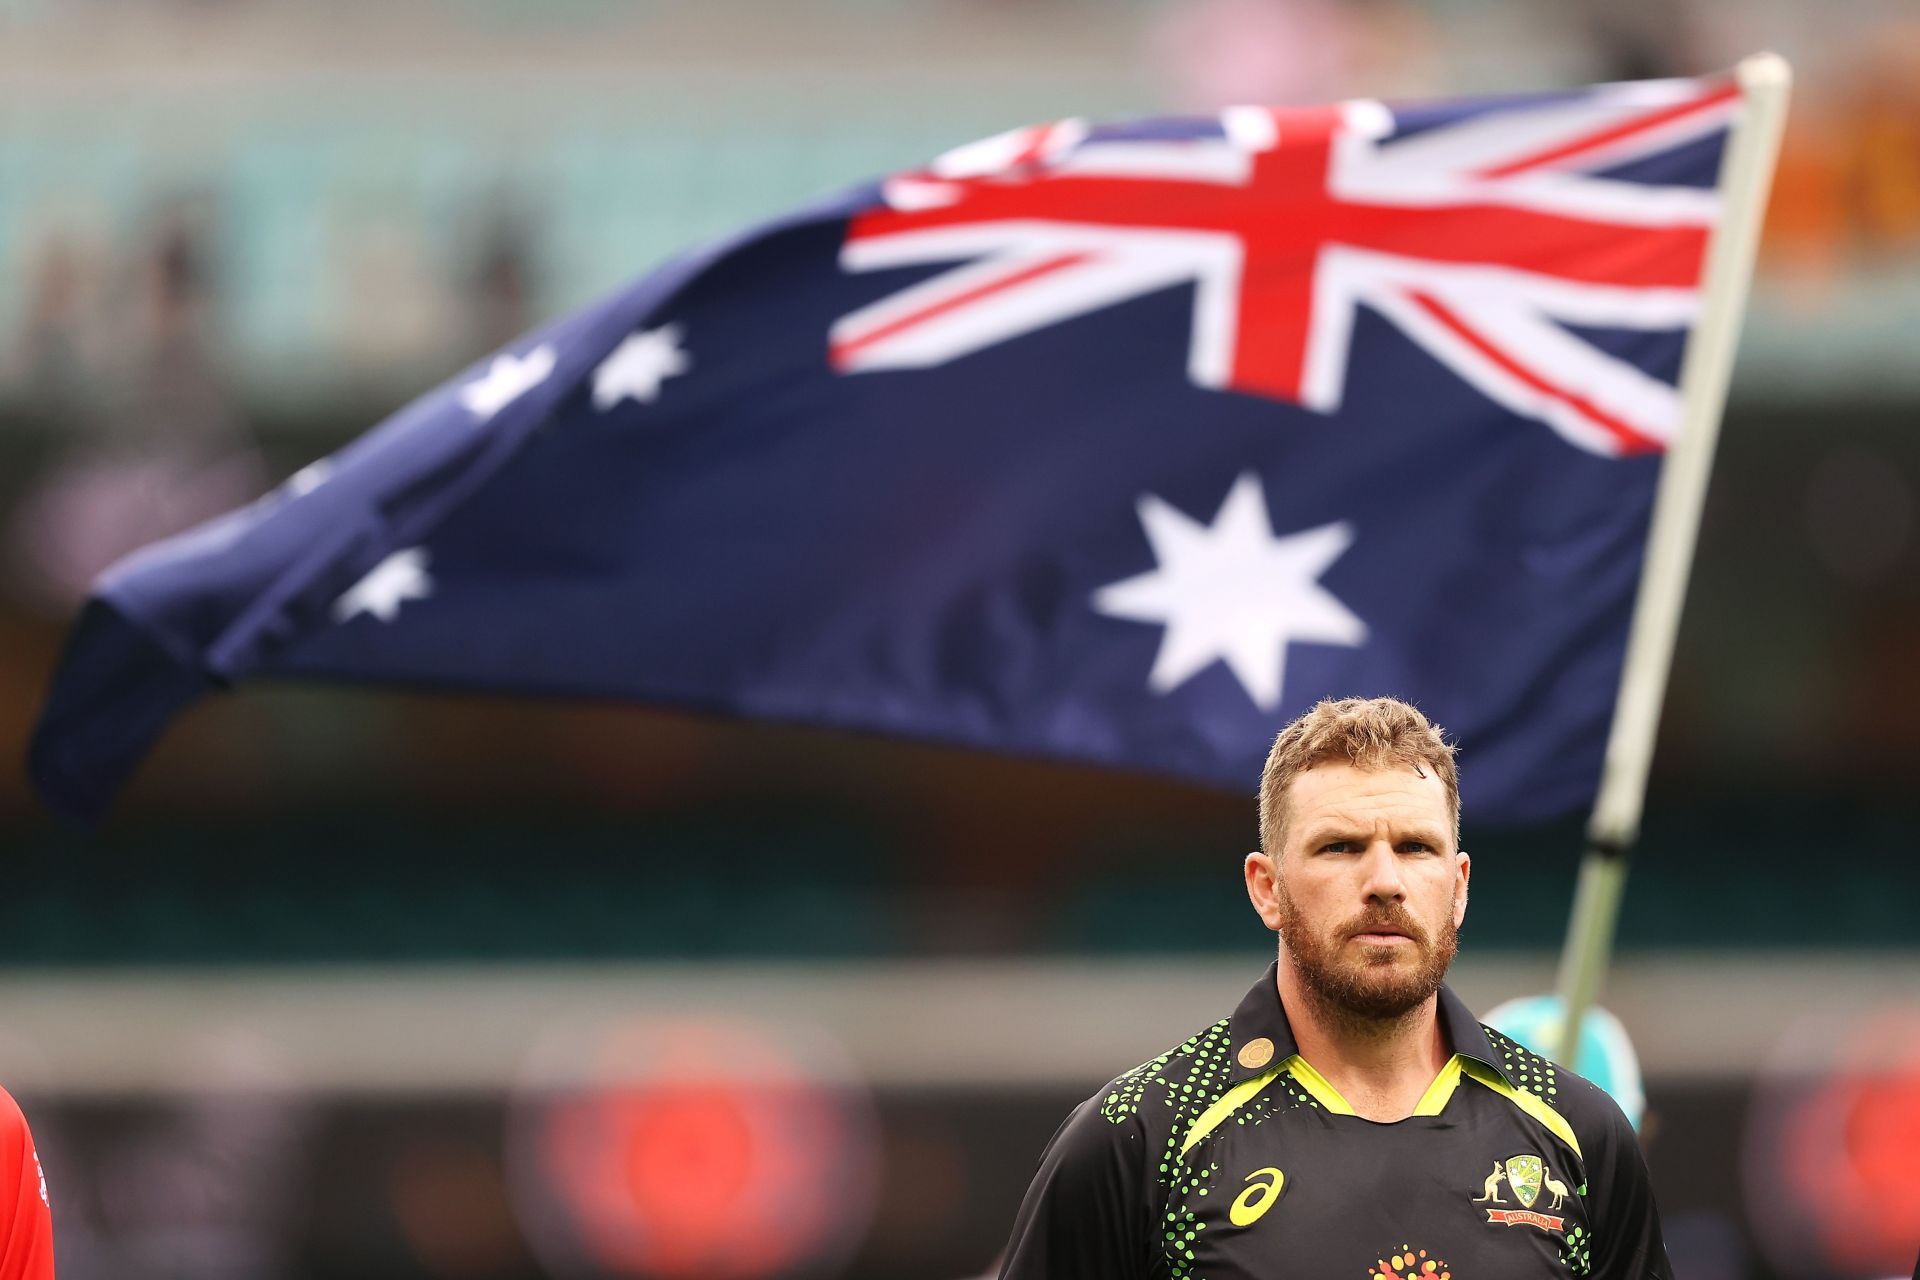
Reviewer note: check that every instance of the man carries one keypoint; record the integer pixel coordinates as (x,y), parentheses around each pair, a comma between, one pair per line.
(1351,1118)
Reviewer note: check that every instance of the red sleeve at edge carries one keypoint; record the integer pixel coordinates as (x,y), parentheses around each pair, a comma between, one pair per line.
(26,1224)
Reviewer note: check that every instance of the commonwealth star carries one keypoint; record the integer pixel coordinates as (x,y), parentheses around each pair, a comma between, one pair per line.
(1235,592)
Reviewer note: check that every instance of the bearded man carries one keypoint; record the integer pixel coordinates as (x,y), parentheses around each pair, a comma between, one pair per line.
(1342,1122)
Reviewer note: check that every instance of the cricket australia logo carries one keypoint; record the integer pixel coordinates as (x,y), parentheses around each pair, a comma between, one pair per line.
(1526,1176)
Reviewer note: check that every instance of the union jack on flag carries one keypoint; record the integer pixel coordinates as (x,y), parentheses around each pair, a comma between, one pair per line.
(1481,234)
(1117,443)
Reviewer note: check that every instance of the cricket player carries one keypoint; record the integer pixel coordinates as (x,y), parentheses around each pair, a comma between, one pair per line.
(1351,1118)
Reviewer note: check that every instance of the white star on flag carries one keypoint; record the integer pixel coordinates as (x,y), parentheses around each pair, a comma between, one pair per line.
(402,576)
(1234,591)
(638,366)
(507,379)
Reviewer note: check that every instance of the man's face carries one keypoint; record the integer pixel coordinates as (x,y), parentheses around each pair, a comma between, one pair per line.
(1369,892)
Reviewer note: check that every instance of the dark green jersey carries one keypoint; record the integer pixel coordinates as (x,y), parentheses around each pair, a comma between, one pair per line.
(1230,1158)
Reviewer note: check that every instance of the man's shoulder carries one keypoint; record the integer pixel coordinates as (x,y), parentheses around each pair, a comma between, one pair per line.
(1172,1087)
(1129,1133)
(14,1135)
(1592,1114)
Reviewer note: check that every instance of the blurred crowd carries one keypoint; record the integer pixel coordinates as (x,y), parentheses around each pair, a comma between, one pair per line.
(1847,195)
(119,358)
(123,359)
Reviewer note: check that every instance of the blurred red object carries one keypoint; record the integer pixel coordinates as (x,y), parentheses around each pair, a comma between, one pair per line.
(704,1147)
(1832,1179)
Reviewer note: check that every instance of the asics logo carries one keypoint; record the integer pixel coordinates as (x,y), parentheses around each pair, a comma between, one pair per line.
(1266,1186)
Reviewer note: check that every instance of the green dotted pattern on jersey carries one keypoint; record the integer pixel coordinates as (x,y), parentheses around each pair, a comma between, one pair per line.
(1577,1253)
(1532,1072)
(1188,1184)
(1284,1094)
(1187,1080)
(1182,1227)
(1527,1069)
(1130,1090)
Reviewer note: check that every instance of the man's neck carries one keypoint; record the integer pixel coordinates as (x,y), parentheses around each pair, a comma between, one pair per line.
(1380,1066)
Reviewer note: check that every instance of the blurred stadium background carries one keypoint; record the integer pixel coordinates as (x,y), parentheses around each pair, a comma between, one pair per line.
(363,984)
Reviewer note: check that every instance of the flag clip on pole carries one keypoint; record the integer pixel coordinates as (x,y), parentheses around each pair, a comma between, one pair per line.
(1765,80)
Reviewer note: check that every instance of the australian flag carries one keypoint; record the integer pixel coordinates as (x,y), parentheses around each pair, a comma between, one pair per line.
(1116,443)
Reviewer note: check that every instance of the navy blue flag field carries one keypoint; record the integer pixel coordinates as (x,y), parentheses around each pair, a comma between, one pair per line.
(1109,443)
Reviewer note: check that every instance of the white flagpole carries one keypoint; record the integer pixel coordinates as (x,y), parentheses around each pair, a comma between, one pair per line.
(1746,174)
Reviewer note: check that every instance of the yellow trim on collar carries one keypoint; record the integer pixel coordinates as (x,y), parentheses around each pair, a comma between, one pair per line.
(1434,1100)
(1227,1103)
(1319,1087)
(1431,1103)
(1525,1100)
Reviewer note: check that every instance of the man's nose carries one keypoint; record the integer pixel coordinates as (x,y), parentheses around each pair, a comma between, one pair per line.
(1383,873)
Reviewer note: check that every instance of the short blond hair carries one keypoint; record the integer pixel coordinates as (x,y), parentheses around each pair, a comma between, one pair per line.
(1368,733)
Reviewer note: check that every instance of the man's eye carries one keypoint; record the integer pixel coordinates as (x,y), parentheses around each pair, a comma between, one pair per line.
(1416,846)
(1337,846)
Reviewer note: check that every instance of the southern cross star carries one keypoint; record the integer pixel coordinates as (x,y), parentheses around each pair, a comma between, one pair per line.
(1234,591)
(507,379)
(638,366)
(402,576)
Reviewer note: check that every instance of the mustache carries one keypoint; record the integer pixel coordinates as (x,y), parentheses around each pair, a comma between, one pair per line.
(1392,918)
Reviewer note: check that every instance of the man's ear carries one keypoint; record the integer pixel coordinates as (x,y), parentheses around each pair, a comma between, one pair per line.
(1465,865)
(1263,888)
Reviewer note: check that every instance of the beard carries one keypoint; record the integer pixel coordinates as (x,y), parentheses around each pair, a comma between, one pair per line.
(1379,984)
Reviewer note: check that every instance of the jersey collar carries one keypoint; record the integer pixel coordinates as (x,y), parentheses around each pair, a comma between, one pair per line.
(1261,1016)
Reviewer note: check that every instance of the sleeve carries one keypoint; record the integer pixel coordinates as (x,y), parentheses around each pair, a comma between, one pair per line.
(1085,1214)
(1627,1244)
(26,1223)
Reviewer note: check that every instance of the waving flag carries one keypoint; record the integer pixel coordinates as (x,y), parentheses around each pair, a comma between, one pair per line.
(1115,443)
(1477,241)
